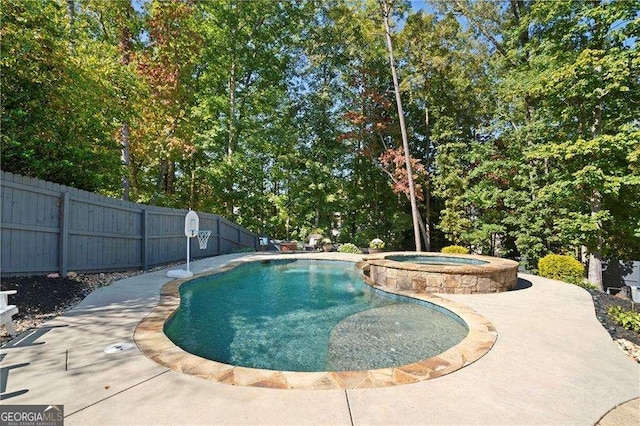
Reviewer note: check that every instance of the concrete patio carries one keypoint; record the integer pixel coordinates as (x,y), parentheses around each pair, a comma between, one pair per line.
(553,363)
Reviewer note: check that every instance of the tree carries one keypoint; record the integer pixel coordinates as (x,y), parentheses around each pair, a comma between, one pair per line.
(386,11)
(588,98)
(57,114)
(447,82)
(370,207)
(568,75)
(117,24)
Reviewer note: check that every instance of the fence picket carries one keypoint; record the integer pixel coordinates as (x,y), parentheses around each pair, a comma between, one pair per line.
(48,227)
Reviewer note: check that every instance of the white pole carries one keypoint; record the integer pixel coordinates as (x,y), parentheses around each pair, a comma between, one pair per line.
(188,254)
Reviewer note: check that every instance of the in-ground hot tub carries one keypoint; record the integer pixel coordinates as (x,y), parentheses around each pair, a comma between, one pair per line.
(440,273)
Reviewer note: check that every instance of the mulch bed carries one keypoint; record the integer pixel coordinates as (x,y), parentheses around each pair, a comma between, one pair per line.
(602,302)
(41,298)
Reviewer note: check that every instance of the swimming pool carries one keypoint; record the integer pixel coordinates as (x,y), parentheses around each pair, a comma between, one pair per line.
(306,315)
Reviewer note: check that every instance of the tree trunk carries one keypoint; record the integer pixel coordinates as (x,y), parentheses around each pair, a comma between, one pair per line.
(171,178)
(71,10)
(595,201)
(192,189)
(126,160)
(162,170)
(232,91)
(424,230)
(125,46)
(595,269)
(232,109)
(427,189)
(71,13)
(403,128)
(595,254)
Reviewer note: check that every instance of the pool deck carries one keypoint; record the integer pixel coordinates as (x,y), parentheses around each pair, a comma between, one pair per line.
(552,363)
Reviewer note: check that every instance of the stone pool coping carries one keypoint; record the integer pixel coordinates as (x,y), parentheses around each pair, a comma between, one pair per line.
(154,344)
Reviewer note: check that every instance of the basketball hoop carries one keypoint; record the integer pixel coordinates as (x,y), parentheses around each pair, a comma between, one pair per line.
(203,237)
(191,229)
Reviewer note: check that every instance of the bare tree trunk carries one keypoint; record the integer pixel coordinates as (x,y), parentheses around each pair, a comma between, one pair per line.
(232,109)
(125,58)
(171,178)
(162,170)
(232,91)
(71,12)
(424,231)
(595,254)
(403,129)
(192,188)
(595,269)
(595,201)
(427,189)
(126,160)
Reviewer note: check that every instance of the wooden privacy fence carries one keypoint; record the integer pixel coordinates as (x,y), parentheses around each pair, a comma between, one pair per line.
(618,273)
(47,227)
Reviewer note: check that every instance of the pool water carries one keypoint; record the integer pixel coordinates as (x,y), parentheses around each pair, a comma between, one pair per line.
(306,315)
(437,260)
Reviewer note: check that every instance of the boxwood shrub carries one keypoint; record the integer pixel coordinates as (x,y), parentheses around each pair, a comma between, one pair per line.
(562,268)
(455,249)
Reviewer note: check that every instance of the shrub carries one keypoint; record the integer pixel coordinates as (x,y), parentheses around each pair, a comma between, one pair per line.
(586,285)
(455,249)
(627,319)
(349,248)
(376,243)
(561,267)
(244,250)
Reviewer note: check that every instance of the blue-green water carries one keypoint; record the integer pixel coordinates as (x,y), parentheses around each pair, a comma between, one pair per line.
(305,316)
(437,260)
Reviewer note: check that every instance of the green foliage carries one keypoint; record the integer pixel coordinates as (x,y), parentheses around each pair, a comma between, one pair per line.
(627,319)
(562,268)
(586,285)
(244,250)
(275,115)
(349,248)
(557,167)
(455,249)
(59,106)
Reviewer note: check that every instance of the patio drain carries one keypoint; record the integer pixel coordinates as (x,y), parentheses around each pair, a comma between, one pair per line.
(118,347)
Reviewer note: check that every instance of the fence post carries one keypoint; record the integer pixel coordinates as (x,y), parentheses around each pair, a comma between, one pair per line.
(145,257)
(239,238)
(63,247)
(218,227)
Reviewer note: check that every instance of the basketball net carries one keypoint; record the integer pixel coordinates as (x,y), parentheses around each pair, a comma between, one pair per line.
(203,237)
